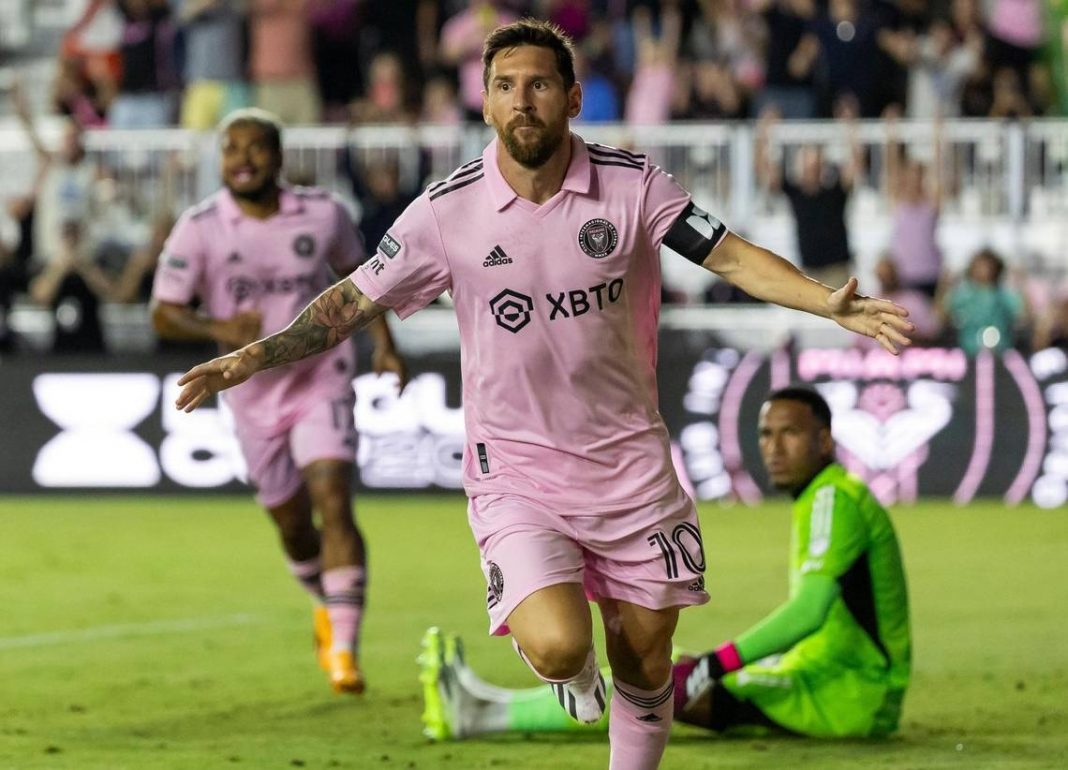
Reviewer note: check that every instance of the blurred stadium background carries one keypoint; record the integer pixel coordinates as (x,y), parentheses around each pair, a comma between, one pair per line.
(148,624)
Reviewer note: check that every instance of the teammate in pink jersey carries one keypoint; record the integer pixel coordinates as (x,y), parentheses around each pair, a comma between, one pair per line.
(255,253)
(549,246)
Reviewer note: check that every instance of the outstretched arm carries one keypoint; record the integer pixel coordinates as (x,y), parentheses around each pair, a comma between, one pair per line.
(788,624)
(767,276)
(332,317)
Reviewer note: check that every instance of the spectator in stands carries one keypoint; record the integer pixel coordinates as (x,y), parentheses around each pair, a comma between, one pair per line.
(461,47)
(386,98)
(1016,36)
(915,207)
(134,283)
(383,197)
(149,82)
(214,71)
(83,99)
(72,287)
(941,64)
(407,28)
(1008,98)
(729,33)
(600,102)
(984,311)
(848,44)
(93,41)
(791,54)
(649,100)
(713,94)
(900,23)
(818,200)
(62,193)
(336,28)
(440,105)
(281,62)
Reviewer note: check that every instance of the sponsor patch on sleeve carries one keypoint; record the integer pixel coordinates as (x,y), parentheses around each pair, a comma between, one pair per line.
(175,262)
(389,246)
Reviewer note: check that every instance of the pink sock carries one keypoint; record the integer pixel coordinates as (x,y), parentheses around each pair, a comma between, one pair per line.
(308,573)
(638,725)
(344,588)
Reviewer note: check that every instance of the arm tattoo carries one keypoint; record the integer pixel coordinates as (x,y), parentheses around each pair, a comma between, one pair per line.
(332,317)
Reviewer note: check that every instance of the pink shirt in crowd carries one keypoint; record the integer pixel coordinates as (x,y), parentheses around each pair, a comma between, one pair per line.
(914,243)
(650,95)
(235,263)
(281,43)
(466,31)
(557,306)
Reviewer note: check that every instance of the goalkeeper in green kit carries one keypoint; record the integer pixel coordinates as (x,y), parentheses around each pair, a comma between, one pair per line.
(831,661)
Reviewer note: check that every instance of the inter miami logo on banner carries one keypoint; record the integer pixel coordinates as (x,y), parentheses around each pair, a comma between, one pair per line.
(511,310)
(304,245)
(598,238)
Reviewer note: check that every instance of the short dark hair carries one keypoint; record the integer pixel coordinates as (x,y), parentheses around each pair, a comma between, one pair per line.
(994,258)
(266,121)
(543,34)
(814,400)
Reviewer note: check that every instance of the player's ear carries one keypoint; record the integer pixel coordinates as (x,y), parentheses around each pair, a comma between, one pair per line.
(826,442)
(574,100)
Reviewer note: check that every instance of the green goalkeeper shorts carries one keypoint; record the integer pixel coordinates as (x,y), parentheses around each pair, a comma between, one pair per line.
(822,702)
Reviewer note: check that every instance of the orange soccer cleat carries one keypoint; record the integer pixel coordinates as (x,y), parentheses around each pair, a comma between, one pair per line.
(344,672)
(323,636)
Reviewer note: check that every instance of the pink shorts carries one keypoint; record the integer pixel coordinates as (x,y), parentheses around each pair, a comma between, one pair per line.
(325,430)
(650,556)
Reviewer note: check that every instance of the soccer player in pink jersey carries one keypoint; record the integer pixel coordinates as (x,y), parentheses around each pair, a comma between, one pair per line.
(255,253)
(549,246)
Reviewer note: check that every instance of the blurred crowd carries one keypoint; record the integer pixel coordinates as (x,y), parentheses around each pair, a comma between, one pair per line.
(153,63)
(129,64)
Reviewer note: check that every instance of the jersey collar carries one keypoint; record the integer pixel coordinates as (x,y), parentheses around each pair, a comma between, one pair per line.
(288,203)
(577,178)
(828,473)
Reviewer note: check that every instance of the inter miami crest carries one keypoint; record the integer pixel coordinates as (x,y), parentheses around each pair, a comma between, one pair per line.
(304,245)
(496,581)
(598,238)
(496,588)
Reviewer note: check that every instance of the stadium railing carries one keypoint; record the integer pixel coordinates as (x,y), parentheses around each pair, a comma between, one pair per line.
(1006,182)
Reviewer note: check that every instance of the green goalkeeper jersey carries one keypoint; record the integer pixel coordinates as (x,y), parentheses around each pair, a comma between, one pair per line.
(841,531)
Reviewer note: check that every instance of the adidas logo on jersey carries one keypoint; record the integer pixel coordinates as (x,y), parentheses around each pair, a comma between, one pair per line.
(497,257)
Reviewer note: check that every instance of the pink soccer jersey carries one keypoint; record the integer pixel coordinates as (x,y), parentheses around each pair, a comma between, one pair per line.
(558,307)
(236,263)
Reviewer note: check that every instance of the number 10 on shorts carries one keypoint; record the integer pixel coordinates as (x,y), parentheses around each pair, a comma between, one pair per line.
(685,543)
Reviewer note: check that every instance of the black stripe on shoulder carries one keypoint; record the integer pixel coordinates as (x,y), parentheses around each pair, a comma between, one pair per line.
(454,187)
(202,209)
(615,152)
(465,170)
(621,164)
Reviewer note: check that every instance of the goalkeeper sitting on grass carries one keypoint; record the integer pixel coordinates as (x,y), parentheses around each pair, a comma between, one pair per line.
(832,661)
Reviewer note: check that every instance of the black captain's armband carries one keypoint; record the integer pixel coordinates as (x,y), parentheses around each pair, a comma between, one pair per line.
(695,233)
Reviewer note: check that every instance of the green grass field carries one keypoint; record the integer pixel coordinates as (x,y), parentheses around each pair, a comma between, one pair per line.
(165,633)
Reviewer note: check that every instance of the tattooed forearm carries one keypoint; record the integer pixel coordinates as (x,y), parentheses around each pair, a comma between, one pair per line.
(332,317)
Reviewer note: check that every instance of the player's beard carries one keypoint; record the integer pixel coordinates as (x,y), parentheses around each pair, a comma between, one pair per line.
(262,194)
(531,155)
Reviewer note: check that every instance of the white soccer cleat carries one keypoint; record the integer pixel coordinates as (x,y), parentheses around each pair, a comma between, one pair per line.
(585,704)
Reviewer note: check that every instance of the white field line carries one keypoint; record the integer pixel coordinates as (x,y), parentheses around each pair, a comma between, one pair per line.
(128,630)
